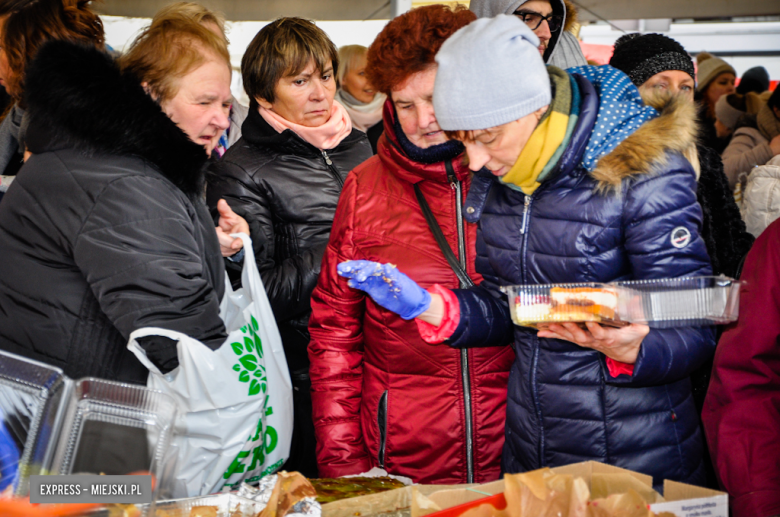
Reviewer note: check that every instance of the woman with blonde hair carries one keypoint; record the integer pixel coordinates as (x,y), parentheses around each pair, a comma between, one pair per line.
(215,22)
(358,95)
(106,231)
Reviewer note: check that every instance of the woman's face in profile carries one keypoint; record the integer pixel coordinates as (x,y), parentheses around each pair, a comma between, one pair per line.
(201,107)
(305,98)
(721,85)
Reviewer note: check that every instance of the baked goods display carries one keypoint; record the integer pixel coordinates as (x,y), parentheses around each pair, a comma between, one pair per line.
(334,489)
(565,304)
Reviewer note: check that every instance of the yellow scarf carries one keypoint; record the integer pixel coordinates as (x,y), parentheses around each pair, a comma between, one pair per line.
(545,140)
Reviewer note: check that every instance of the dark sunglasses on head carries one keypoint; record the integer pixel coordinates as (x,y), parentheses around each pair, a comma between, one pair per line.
(534,20)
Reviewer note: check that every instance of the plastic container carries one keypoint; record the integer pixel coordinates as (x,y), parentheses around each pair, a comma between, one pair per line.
(31,401)
(663,303)
(114,428)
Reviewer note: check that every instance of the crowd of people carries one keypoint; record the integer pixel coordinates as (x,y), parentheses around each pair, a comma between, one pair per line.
(390,192)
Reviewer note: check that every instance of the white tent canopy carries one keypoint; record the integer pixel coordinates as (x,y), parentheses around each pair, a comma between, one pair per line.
(258,10)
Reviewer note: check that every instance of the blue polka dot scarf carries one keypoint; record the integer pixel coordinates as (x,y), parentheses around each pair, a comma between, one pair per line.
(621,111)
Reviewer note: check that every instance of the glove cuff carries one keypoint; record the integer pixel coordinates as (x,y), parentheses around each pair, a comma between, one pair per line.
(420,308)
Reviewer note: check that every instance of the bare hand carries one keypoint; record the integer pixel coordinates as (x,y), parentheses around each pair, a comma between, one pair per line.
(619,344)
(230,222)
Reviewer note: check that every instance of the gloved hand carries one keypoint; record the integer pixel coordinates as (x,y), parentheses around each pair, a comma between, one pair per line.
(387,286)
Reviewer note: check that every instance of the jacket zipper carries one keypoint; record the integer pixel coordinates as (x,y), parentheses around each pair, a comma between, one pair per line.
(332,168)
(535,362)
(381,419)
(464,354)
(526,206)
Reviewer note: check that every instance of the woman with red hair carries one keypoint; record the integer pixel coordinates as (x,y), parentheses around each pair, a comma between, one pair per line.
(381,396)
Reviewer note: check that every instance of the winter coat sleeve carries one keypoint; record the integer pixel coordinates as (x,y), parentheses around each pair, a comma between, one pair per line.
(484,312)
(139,251)
(742,410)
(747,149)
(336,352)
(288,282)
(656,205)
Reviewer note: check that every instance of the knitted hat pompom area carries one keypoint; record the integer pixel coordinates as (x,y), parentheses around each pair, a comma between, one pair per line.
(489,73)
(641,56)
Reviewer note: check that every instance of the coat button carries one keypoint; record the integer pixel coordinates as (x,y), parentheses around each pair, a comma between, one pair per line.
(470,210)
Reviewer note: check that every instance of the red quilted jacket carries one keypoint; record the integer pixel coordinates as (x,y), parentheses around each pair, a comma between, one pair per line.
(381,396)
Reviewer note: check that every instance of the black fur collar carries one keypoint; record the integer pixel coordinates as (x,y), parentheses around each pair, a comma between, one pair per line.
(77,98)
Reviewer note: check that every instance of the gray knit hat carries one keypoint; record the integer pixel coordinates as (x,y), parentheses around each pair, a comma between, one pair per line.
(490,73)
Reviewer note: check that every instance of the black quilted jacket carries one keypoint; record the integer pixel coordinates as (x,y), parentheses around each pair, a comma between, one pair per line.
(104,230)
(290,189)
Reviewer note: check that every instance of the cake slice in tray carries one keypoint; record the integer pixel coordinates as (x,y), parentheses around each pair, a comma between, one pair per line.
(538,306)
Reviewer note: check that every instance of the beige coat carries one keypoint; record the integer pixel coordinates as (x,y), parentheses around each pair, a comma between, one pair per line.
(761,197)
(747,149)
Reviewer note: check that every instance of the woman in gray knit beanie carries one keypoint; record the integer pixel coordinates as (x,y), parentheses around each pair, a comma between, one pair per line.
(581,183)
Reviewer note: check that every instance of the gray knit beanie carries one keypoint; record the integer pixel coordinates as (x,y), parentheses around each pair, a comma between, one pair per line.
(726,113)
(490,73)
(710,67)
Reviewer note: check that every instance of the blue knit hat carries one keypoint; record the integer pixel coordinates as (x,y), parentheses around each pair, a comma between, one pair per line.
(490,73)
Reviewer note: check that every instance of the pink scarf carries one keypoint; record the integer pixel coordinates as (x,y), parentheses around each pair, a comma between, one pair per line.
(327,136)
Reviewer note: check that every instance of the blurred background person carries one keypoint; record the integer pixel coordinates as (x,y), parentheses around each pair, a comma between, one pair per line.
(105,231)
(715,78)
(736,110)
(357,95)
(285,176)
(215,22)
(24,27)
(754,80)
(752,146)
(383,397)
(551,20)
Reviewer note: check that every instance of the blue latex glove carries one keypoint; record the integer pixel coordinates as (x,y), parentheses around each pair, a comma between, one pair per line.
(387,286)
(9,456)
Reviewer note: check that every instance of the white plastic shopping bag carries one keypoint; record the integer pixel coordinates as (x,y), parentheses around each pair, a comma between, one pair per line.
(235,403)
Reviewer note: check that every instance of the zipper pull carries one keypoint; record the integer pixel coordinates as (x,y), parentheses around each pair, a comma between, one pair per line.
(451,176)
(327,158)
(526,205)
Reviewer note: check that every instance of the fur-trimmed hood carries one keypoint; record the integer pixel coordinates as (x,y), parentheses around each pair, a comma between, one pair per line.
(629,135)
(78,98)
(646,149)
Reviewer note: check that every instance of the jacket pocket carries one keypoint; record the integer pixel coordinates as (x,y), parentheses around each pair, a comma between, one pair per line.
(381,420)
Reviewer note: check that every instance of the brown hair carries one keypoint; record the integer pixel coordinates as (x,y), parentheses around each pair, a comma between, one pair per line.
(283,48)
(32,23)
(191,10)
(409,43)
(168,50)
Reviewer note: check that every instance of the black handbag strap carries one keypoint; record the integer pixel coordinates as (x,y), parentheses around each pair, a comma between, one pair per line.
(433,224)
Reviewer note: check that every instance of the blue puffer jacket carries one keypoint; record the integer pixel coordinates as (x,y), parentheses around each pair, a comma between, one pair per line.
(613,222)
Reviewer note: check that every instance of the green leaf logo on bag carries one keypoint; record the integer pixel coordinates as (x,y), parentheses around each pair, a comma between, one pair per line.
(249,367)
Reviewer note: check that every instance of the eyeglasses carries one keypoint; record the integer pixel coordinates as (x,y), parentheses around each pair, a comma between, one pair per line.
(534,20)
